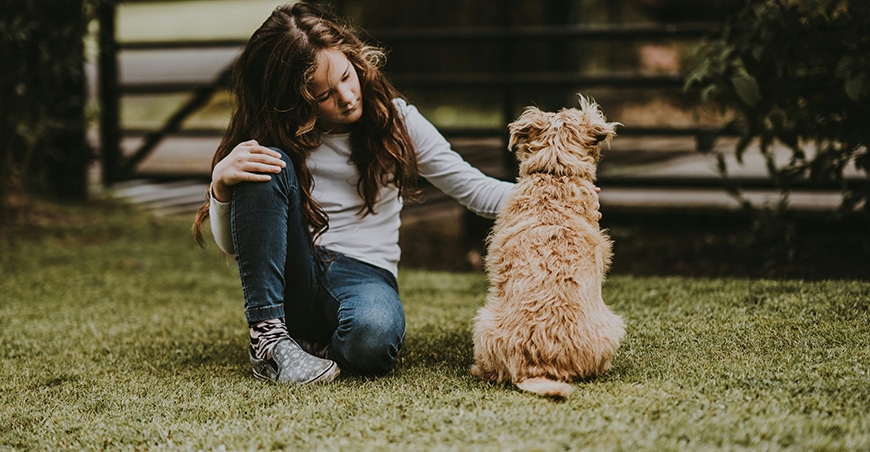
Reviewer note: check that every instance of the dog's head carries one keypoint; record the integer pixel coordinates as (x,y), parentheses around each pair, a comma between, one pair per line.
(564,143)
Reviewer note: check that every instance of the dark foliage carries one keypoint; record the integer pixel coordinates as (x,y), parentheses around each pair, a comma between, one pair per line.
(42,96)
(796,72)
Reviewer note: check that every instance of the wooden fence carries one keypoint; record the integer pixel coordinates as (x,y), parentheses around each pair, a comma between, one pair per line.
(507,82)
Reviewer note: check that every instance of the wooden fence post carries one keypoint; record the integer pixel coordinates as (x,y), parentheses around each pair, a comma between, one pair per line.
(109,93)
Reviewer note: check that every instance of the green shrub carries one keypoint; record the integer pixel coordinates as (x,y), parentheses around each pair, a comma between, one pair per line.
(796,72)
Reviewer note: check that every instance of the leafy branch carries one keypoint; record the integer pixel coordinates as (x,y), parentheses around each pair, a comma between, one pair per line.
(796,72)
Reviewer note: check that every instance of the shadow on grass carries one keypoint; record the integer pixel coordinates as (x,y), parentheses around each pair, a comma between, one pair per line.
(435,347)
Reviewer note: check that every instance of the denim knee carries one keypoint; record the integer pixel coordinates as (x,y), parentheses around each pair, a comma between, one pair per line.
(284,183)
(370,335)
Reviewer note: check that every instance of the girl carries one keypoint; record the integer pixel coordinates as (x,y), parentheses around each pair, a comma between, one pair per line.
(307,187)
(310,206)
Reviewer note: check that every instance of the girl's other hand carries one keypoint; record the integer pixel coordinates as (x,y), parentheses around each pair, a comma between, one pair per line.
(597,203)
(247,162)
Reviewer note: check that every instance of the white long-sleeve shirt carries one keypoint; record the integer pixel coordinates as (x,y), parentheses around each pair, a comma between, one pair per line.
(374,238)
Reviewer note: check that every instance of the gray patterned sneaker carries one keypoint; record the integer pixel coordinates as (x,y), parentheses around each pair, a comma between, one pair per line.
(275,356)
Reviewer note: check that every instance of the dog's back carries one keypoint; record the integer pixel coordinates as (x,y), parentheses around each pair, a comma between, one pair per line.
(544,315)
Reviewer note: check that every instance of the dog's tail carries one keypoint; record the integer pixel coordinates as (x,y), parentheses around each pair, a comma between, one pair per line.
(543,386)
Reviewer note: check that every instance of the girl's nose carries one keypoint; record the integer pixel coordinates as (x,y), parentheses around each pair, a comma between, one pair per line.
(345,96)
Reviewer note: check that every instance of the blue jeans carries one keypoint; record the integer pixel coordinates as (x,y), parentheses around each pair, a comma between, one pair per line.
(324,296)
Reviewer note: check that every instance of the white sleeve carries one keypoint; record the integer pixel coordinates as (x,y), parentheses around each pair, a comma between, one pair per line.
(449,172)
(219,214)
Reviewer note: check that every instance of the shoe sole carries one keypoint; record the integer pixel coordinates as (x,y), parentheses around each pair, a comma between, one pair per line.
(328,375)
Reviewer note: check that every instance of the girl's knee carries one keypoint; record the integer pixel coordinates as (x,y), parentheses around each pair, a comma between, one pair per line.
(283,183)
(371,343)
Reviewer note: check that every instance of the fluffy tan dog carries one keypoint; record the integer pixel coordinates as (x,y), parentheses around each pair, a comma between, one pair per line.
(544,322)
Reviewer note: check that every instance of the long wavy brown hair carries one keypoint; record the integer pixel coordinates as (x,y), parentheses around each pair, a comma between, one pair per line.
(275,107)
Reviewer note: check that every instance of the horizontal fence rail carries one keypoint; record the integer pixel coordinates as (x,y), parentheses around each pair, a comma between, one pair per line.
(503,82)
(471,80)
(614,32)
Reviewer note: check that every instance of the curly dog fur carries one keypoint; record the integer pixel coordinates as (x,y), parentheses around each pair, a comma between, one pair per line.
(545,323)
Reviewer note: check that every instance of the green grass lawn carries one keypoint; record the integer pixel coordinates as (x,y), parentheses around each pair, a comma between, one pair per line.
(117,332)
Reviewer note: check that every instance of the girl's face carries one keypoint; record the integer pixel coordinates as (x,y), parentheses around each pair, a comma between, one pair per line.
(336,91)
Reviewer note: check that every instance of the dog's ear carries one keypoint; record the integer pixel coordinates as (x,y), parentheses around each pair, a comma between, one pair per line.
(528,126)
(598,130)
(602,137)
(519,148)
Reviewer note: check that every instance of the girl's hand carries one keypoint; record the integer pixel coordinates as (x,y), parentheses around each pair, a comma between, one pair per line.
(598,204)
(247,162)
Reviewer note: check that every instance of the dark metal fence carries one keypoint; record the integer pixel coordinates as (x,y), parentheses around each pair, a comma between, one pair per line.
(506,81)
(509,81)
